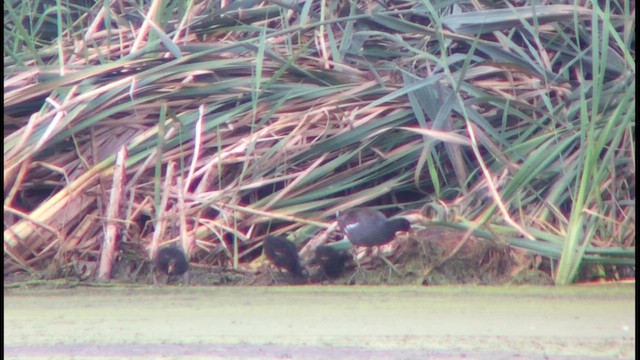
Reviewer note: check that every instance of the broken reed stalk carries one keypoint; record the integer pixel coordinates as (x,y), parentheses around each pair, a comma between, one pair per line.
(160,211)
(187,242)
(110,241)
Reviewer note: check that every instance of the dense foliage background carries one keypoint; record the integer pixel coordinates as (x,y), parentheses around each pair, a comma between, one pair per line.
(512,121)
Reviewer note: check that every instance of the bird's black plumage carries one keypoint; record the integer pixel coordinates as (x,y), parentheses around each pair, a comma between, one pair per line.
(283,254)
(330,260)
(171,261)
(368,227)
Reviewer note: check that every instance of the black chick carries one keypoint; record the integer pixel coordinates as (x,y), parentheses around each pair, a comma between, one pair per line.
(330,260)
(283,254)
(172,262)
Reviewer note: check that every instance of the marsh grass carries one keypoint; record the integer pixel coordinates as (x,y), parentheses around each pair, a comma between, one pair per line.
(243,118)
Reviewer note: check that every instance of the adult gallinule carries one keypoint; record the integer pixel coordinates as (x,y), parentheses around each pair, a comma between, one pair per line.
(283,254)
(172,262)
(330,260)
(369,228)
